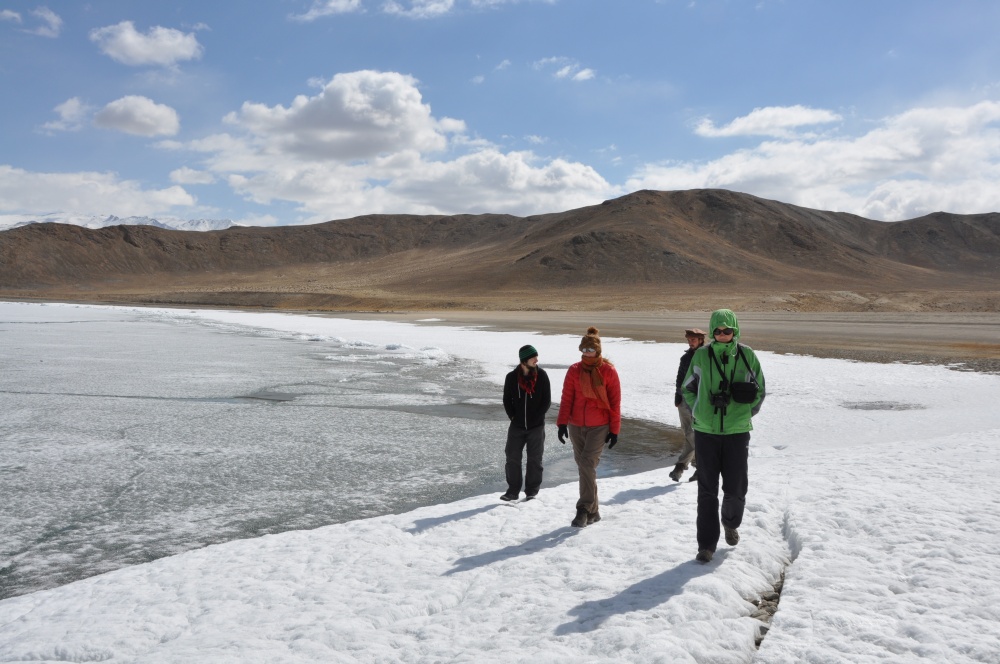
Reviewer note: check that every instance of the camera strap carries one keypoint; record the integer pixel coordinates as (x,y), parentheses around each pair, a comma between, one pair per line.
(728,382)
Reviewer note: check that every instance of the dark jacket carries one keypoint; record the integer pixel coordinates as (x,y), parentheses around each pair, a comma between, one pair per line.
(526,411)
(681,372)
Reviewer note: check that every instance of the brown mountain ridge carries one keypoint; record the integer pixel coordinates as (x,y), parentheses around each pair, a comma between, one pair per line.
(646,250)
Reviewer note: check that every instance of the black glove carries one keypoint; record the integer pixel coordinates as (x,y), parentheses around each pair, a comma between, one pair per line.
(563,432)
(611,440)
(677,400)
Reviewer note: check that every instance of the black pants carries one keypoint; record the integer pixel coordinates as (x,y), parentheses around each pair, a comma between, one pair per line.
(724,455)
(517,439)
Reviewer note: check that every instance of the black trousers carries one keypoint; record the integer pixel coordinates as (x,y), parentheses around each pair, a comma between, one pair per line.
(724,455)
(517,440)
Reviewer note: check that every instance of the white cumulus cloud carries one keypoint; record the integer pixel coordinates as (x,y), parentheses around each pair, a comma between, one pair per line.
(908,165)
(357,115)
(160,46)
(10,15)
(770,121)
(368,143)
(84,193)
(138,115)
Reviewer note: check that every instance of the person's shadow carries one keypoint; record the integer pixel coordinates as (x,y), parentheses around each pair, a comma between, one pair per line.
(546,541)
(420,525)
(642,596)
(623,497)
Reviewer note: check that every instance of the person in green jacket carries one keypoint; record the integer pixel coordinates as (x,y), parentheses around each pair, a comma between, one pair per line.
(724,387)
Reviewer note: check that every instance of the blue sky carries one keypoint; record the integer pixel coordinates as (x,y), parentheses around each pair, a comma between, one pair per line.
(294,111)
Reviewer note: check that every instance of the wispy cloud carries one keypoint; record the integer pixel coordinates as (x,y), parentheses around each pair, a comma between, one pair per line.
(414,9)
(185,175)
(160,46)
(565,68)
(778,121)
(48,23)
(51,23)
(419,8)
(72,114)
(321,8)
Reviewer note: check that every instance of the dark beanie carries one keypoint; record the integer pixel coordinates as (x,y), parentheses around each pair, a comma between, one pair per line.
(526,353)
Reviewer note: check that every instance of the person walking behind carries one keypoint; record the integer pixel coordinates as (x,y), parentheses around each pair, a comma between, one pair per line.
(527,396)
(590,414)
(724,387)
(695,340)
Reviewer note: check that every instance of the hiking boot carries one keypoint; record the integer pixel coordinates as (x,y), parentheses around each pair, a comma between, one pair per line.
(593,517)
(676,473)
(732,536)
(704,556)
(530,496)
(581,518)
(508,497)
(694,476)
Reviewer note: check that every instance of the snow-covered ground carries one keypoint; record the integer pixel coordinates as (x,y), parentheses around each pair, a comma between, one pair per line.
(872,488)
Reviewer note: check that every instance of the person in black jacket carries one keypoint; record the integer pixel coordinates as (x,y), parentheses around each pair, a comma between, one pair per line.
(695,339)
(527,396)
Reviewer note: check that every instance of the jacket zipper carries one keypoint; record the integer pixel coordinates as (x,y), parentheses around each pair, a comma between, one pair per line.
(526,397)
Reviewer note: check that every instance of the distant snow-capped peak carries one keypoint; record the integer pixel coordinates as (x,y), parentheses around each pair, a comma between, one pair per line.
(9,221)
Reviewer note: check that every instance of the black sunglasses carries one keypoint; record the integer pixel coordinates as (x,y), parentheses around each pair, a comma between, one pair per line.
(723,331)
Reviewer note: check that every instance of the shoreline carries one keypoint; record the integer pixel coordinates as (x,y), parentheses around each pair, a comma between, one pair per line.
(966,341)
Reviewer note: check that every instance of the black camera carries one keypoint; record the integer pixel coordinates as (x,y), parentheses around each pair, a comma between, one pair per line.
(720,400)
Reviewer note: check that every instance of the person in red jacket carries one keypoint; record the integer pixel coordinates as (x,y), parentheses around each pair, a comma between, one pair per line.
(590,414)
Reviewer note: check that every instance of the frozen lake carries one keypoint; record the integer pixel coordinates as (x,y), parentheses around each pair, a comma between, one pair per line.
(127,435)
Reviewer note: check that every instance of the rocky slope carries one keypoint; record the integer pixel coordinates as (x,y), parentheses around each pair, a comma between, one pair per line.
(643,247)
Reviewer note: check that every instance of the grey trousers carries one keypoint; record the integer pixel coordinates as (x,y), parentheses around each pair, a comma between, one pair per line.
(687,457)
(588,444)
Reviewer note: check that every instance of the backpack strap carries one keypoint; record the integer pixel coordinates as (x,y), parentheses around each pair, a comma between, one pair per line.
(753,376)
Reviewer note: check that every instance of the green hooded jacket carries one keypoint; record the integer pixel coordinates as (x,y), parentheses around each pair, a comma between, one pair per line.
(703,380)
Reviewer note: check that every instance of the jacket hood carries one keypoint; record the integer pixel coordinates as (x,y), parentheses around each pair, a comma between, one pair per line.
(725,318)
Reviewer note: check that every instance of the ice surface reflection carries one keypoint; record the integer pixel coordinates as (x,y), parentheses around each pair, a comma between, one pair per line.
(127,436)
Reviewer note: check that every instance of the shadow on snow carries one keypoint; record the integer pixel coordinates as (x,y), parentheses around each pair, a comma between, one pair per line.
(546,541)
(642,596)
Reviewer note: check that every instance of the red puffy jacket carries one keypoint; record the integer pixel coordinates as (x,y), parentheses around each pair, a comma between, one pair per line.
(576,409)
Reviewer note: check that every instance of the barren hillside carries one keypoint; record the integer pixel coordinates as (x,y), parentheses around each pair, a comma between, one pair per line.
(646,250)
